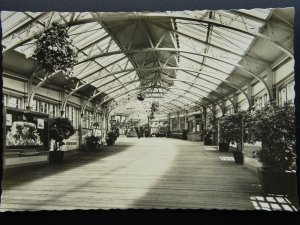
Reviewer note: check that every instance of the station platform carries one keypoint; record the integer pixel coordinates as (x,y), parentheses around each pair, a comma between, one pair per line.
(143,173)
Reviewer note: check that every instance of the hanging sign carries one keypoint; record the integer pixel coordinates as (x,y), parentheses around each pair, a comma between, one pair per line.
(112,122)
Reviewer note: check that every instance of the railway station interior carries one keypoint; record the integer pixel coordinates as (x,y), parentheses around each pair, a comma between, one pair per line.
(176,109)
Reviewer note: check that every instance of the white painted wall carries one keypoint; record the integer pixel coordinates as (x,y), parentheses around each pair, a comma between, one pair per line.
(16,85)
(48,93)
(283,71)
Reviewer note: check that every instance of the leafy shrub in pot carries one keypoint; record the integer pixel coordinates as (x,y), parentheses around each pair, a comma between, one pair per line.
(274,126)
(184,134)
(207,137)
(92,142)
(231,128)
(111,138)
(60,129)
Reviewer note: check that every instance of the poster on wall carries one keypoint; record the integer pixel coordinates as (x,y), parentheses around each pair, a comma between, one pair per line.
(8,120)
(98,133)
(40,123)
(26,130)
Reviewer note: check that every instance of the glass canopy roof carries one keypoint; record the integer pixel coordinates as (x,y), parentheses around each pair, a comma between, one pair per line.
(175,58)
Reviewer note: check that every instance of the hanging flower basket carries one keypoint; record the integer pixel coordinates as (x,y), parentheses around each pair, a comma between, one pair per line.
(151,115)
(141,97)
(54,51)
(154,106)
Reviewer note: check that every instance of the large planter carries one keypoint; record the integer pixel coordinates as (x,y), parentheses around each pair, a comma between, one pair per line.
(110,140)
(238,157)
(91,146)
(278,182)
(207,141)
(56,157)
(184,135)
(223,147)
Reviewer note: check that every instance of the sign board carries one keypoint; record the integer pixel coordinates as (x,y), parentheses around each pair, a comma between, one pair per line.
(98,133)
(112,122)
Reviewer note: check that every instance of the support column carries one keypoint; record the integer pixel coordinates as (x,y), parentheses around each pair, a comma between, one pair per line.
(250,95)
(80,122)
(178,122)
(234,99)
(170,123)
(185,120)
(62,96)
(99,120)
(215,125)
(94,106)
(270,83)
(29,92)
(106,119)
(204,117)
(149,128)
(223,107)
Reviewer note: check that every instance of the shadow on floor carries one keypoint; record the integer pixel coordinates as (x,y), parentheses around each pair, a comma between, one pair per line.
(206,182)
(20,175)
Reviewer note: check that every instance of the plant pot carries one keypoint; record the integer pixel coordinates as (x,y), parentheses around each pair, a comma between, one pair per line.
(110,142)
(92,146)
(207,142)
(277,182)
(223,147)
(56,157)
(238,157)
(184,134)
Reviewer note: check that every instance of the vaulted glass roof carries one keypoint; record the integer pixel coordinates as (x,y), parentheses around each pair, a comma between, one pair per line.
(178,59)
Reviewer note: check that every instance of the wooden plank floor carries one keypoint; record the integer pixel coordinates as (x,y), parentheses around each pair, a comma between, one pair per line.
(135,173)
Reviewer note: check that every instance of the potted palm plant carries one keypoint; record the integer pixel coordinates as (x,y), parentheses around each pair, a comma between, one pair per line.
(207,137)
(184,134)
(222,142)
(110,138)
(60,129)
(274,126)
(92,142)
(231,128)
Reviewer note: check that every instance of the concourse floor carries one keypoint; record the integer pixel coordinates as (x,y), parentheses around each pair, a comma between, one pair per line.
(135,173)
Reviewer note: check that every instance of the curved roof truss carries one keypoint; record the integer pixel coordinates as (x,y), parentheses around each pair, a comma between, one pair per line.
(188,54)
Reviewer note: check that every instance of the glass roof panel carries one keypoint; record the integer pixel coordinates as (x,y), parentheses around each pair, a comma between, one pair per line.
(12,21)
(206,56)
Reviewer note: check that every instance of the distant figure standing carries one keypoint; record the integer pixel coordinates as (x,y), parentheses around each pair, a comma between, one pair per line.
(137,131)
